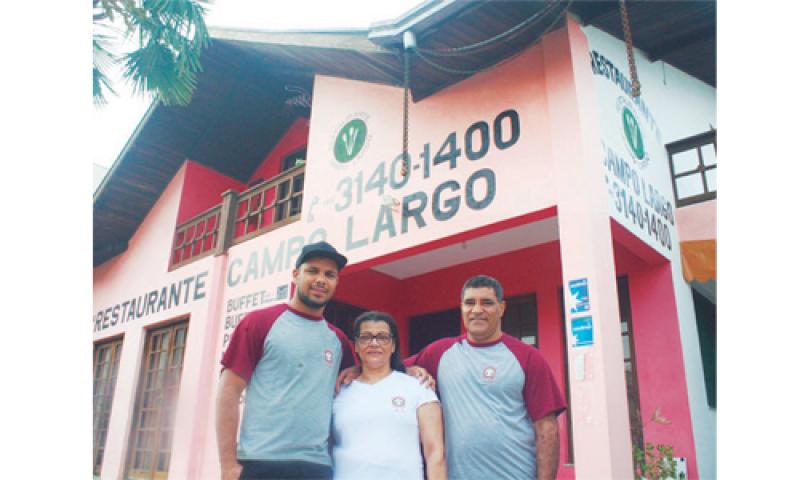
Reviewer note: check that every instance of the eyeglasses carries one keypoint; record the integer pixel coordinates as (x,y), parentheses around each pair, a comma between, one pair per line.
(381,338)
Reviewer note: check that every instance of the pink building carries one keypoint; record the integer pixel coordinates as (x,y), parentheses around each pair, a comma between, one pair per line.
(528,160)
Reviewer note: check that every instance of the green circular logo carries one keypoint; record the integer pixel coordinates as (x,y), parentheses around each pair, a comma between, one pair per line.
(632,133)
(350,140)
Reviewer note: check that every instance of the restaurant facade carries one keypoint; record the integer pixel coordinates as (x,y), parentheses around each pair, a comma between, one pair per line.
(593,207)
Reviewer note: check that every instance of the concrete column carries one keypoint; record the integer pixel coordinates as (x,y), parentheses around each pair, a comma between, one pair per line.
(600,423)
(119,426)
(200,398)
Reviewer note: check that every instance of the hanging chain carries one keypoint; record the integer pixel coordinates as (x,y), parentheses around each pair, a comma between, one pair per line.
(636,87)
(406,76)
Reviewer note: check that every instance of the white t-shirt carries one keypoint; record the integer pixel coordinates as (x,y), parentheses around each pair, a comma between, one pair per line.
(375,429)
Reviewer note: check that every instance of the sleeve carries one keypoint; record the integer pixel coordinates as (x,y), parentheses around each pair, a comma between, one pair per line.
(348,354)
(428,358)
(410,361)
(247,345)
(425,395)
(541,392)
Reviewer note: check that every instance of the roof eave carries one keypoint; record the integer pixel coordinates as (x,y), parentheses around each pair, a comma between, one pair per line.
(419,19)
(128,145)
(353,40)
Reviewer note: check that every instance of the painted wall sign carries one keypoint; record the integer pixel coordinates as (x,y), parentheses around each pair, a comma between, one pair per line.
(155,301)
(638,202)
(579,295)
(477,154)
(635,163)
(427,204)
(259,273)
(632,133)
(275,257)
(350,139)
(238,307)
(582,331)
(605,68)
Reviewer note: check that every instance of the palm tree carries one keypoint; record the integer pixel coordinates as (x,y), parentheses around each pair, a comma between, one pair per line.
(169,35)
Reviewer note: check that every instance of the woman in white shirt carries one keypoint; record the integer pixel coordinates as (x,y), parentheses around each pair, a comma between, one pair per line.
(381,418)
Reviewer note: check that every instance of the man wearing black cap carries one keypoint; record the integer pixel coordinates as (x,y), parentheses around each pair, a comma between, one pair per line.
(288,357)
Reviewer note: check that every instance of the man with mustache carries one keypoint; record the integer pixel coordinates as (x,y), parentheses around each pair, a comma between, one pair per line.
(498,394)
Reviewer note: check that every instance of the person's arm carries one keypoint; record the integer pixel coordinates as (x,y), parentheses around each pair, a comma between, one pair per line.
(229,392)
(431,434)
(547,446)
(544,403)
(346,377)
(349,369)
(424,377)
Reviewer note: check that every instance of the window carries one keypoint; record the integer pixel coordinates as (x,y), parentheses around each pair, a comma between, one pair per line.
(151,438)
(294,159)
(693,163)
(706,317)
(520,320)
(342,316)
(106,365)
(290,197)
(424,329)
(269,204)
(631,382)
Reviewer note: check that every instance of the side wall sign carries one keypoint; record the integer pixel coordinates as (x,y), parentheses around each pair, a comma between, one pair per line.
(634,159)
(155,301)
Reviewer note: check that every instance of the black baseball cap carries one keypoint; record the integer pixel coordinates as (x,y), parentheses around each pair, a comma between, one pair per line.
(321,249)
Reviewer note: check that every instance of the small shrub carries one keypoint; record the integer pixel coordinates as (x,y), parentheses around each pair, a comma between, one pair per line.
(655,462)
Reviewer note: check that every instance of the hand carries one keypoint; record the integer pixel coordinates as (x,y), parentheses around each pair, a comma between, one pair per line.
(232,471)
(424,377)
(347,376)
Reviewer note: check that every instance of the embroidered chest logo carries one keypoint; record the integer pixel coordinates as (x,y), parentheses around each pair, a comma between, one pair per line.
(398,403)
(489,374)
(327,355)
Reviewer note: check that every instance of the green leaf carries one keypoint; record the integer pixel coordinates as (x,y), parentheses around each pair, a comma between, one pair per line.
(171,36)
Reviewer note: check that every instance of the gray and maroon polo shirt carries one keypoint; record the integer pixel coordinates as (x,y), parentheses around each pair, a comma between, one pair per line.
(290,362)
(491,394)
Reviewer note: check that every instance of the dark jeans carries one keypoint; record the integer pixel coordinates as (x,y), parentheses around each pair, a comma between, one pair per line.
(273,470)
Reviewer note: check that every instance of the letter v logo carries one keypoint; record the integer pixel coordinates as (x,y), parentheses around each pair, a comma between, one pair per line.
(350,140)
